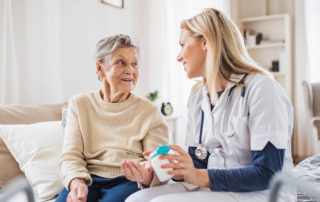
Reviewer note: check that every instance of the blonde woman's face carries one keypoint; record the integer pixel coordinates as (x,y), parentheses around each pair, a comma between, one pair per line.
(192,54)
(121,70)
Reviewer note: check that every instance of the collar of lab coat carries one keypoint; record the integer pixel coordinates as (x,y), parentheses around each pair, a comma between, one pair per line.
(235,78)
(206,105)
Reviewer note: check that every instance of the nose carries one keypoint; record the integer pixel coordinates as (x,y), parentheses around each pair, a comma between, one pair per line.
(129,69)
(179,57)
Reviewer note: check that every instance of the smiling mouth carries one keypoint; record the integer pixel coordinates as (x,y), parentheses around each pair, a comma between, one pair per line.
(127,80)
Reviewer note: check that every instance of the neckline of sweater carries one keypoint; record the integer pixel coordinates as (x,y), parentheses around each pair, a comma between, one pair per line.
(114,107)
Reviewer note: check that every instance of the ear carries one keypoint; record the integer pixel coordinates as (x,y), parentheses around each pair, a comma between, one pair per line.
(98,65)
(203,42)
(100,71)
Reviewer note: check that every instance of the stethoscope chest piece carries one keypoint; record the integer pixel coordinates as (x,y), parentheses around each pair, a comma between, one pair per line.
(201,152)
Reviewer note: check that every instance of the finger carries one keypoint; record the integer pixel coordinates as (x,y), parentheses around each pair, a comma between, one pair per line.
(131,171)
(173,165)
(178,149)
(146,164)
(147,153)
(134,170)
(176,172)
(143,168)
(72,195)
(126,170)
(123,165)
(82,193)
(172,157)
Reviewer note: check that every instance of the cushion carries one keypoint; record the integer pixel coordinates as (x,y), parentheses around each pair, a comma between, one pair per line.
(36,148)
(22,114)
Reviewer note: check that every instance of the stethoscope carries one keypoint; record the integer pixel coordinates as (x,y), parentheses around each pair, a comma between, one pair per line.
(201,152)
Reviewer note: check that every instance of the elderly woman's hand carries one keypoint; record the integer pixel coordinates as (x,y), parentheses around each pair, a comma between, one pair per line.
(78,191)
(183,167)
(137,171)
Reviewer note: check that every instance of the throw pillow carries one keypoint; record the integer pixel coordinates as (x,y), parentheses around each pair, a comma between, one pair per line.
(36,148)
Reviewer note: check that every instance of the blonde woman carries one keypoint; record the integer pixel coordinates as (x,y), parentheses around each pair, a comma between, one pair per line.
(239,120)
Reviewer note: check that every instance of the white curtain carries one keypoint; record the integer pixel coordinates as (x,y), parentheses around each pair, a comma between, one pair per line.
(312,16)
(9,82)
(304,139)
(29,54)
(167,74)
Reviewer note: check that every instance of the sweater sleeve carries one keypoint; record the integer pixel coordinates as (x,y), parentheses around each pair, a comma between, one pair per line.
(71,162)
(157,136)
(252,178)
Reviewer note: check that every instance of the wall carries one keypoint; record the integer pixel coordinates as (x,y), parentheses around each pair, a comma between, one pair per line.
(82,24)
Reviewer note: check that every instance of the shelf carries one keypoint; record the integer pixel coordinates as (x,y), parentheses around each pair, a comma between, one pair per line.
(268,45)
(275,44)
(264,18)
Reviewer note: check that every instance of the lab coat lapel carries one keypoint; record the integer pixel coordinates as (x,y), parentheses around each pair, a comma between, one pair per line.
(208,121)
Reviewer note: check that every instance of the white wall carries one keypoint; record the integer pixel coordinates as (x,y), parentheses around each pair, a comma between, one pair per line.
(82,24)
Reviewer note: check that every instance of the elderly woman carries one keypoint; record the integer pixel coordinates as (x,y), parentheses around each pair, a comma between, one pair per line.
(108,126)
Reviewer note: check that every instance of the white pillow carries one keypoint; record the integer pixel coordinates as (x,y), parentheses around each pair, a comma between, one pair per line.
(36,147)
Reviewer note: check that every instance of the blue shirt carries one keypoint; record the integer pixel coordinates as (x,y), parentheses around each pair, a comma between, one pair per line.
(256,177)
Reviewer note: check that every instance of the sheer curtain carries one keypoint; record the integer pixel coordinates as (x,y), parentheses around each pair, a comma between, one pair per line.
(312,17)
(304,139)
(167,74)
(29,54)
(9,81)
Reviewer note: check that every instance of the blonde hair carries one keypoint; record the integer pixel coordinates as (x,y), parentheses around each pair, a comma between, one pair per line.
(226,51)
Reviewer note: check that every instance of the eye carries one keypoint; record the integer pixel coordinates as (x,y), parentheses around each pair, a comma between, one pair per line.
(134,64)
(121,62)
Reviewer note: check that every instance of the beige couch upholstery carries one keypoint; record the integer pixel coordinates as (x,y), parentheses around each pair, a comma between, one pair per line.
(22,114)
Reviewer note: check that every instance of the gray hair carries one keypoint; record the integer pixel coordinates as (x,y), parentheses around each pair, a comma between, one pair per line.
(106,46)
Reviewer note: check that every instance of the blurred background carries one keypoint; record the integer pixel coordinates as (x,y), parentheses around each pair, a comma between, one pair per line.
(46,51)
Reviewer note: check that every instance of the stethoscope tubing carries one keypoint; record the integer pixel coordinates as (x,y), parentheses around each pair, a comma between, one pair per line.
(243,92)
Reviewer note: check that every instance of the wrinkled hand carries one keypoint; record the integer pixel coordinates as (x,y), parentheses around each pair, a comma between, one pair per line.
(183,167)
(78,191)
(137,171)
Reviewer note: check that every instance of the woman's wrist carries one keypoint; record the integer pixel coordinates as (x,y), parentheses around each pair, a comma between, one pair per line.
(203,178)
(146,183)
(178,177)
(75,182)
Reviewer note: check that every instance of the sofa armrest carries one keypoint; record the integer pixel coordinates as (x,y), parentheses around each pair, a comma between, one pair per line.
(316,122)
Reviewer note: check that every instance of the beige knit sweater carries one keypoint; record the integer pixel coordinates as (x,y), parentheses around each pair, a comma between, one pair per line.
(99,135)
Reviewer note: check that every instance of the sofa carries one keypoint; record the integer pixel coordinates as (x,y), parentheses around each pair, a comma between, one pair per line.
(29,119)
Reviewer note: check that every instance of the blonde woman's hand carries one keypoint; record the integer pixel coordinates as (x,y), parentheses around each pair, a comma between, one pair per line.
(137,171)
(78,191)
(183,168)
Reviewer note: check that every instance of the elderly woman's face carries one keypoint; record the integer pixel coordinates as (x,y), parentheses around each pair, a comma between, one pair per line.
(121,69)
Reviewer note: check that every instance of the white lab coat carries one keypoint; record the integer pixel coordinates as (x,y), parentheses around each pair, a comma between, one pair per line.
(239,124)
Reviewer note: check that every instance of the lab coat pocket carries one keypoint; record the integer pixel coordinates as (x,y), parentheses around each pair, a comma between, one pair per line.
(241,140)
